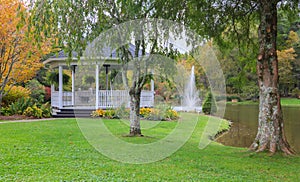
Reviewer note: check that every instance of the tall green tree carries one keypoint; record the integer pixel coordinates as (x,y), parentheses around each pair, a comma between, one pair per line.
(75,23)
(214,17)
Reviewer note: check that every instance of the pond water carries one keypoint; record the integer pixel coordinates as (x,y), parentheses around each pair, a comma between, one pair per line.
(245,121)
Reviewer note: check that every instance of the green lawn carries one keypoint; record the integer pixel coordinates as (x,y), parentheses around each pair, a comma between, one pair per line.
(290,101)
(284,102)
(56,150)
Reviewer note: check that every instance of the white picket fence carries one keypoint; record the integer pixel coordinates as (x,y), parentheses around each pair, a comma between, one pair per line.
(106,98)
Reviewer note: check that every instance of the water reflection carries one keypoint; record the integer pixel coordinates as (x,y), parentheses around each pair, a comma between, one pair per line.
(244,126)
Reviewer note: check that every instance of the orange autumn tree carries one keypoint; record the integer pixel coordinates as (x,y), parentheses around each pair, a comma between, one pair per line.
(19,55)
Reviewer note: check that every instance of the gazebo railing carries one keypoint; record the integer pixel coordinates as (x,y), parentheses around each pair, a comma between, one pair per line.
(106,98)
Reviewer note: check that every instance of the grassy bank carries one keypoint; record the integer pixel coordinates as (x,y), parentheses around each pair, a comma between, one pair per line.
(284,102)
(57,151)
(290,102)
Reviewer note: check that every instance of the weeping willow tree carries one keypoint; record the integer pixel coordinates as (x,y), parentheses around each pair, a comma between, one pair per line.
(76,24)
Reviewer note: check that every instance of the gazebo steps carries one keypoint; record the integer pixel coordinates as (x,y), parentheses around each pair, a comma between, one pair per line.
(72,113)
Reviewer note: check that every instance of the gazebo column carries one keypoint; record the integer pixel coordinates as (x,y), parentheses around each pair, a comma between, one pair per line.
(60,86)
(152,88)
(52,93)
(106,90)
(73,85)
(97,86)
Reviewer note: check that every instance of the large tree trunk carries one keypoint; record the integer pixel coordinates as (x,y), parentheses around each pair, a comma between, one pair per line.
(135,96)
(270,135)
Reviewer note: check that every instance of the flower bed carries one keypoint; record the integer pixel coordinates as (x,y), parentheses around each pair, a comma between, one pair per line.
(161,113)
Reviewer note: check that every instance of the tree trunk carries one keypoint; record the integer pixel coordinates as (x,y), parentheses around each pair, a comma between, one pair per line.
(1,98)
(135,129)
(270,135)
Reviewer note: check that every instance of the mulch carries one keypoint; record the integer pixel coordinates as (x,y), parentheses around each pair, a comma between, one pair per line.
(15,117)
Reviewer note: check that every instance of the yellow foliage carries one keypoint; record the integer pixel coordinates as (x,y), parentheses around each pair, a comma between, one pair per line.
(98,113)
(287,54)
(171,114)
(20,56)
(158,114)
(145,112)
(15,93)
(285,57)
(293,39)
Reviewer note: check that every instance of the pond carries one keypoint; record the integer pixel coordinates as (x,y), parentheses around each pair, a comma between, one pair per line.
(245,121)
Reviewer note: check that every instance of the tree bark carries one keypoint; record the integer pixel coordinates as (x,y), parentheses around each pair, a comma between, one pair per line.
(270,135)
(1,98)
(135,97)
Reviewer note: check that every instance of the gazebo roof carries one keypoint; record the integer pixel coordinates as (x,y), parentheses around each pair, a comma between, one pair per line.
(62,54)
(110,58)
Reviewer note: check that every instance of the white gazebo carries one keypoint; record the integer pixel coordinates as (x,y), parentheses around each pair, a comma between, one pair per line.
(92,98)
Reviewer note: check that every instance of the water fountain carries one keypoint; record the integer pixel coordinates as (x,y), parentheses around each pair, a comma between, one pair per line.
(190,100)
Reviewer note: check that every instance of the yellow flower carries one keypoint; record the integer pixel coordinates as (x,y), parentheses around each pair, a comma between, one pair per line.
(98,113)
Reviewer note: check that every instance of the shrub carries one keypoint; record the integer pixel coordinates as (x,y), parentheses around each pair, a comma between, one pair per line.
(209,104)
(23,106)
(15,93)
(47,94)
(122,112)
(33,111)
(145,112)
(98,113)
(155,115)
(171,115)
(37,91)
(37,112)
(46,110)
(162,113)
(5,111)
(28,111)
(19,106)
(296,92)
(232,97)
(110,114)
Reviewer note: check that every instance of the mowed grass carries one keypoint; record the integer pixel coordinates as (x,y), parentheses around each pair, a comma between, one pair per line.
(284,102)
(290,102)
(56,150)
